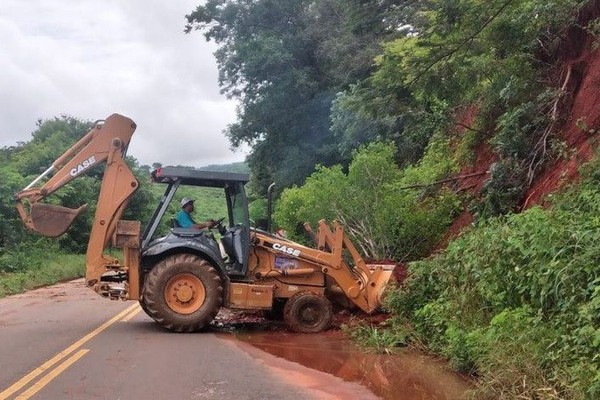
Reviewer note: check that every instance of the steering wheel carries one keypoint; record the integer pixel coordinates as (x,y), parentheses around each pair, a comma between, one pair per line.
(218,224)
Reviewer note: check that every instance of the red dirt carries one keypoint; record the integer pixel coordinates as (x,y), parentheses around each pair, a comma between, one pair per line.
(485,157)
(579,76)
(400,272)
(580,140)
(229,320)
(458,226)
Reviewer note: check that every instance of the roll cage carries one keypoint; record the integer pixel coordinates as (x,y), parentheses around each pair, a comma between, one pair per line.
(236,238)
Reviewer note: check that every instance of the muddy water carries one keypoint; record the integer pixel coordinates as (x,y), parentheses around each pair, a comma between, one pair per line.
(405,376)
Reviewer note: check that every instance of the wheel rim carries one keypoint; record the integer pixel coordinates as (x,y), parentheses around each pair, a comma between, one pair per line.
(185,293)
(309,314)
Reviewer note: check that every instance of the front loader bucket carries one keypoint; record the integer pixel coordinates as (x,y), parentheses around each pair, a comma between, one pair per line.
(380,277)
(52,220)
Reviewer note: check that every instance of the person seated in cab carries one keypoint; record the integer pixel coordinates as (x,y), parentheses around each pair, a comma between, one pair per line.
(184,219)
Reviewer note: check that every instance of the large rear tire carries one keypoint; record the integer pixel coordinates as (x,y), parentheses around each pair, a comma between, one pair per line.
(308,312)
(183,293)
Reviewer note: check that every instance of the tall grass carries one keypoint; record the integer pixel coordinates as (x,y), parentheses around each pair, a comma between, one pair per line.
(56,267)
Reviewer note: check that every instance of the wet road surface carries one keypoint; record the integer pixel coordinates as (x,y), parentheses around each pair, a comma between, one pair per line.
(407,375)
(66,342)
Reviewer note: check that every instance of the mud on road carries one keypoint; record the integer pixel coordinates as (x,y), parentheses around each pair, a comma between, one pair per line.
(406,375)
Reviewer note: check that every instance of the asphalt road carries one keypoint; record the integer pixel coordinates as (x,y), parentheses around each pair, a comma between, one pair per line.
(66,342)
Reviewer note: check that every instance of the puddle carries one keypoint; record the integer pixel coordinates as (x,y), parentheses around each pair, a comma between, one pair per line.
(408,375)
(405,376)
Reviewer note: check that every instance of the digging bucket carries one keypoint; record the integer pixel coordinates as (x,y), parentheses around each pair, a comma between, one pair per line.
(52,220)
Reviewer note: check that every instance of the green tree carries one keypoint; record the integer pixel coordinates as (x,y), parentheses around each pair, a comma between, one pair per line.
(285,61)
(11,231)
(22,163)
(466,53)
(384,220)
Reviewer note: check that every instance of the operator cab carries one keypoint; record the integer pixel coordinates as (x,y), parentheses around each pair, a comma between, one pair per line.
(235,233)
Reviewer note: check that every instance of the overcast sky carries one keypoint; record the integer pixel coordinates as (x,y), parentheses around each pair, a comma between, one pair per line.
(91,58)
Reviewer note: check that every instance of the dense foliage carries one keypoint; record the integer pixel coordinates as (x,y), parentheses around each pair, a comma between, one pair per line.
(383,219)
(495,56)
(517,300)
(285,61)
(321,80)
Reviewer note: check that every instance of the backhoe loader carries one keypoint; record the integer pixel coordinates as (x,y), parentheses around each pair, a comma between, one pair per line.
(183,278)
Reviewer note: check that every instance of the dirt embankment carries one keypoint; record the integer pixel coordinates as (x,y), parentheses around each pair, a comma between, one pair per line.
(579,76)
(577,112)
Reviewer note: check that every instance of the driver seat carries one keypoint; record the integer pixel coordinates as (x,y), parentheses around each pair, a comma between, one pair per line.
(232,244)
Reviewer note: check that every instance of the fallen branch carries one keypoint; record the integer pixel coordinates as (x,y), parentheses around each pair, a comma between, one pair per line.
(563,90)
(470,128)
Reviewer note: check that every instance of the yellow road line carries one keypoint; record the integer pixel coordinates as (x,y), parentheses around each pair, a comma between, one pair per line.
(45,366)
(51,375)
(131,314)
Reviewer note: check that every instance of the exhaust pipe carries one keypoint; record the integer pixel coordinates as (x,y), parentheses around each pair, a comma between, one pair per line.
(270,206)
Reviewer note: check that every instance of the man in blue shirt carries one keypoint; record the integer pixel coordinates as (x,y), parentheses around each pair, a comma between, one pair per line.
(184,219)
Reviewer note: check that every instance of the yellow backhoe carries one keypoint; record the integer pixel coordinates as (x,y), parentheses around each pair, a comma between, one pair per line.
(183,278)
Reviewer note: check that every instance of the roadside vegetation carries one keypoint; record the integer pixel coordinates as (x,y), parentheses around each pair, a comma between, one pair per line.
(40,265)
(372,113)
(515,301)
(386,220)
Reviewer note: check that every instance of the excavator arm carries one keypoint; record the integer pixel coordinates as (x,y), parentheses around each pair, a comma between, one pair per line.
(107,143)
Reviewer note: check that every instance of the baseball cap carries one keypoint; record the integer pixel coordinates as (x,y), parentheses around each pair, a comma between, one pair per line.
(185,201)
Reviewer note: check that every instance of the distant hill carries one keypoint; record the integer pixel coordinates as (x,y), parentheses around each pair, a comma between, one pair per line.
(233,167)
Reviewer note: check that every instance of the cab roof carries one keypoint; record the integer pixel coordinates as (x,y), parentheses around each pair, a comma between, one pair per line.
(194,177)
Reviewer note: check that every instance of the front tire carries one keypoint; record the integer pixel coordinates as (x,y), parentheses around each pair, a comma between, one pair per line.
(308,312)
(143,305)
(183,293)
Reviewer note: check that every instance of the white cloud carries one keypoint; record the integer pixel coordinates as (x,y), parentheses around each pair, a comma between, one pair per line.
(91,58)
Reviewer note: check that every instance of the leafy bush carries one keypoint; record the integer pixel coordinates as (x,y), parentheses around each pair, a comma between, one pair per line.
(517,300)
(31,253)
(498,56)
(55,268)
(257,209)
(382,218)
